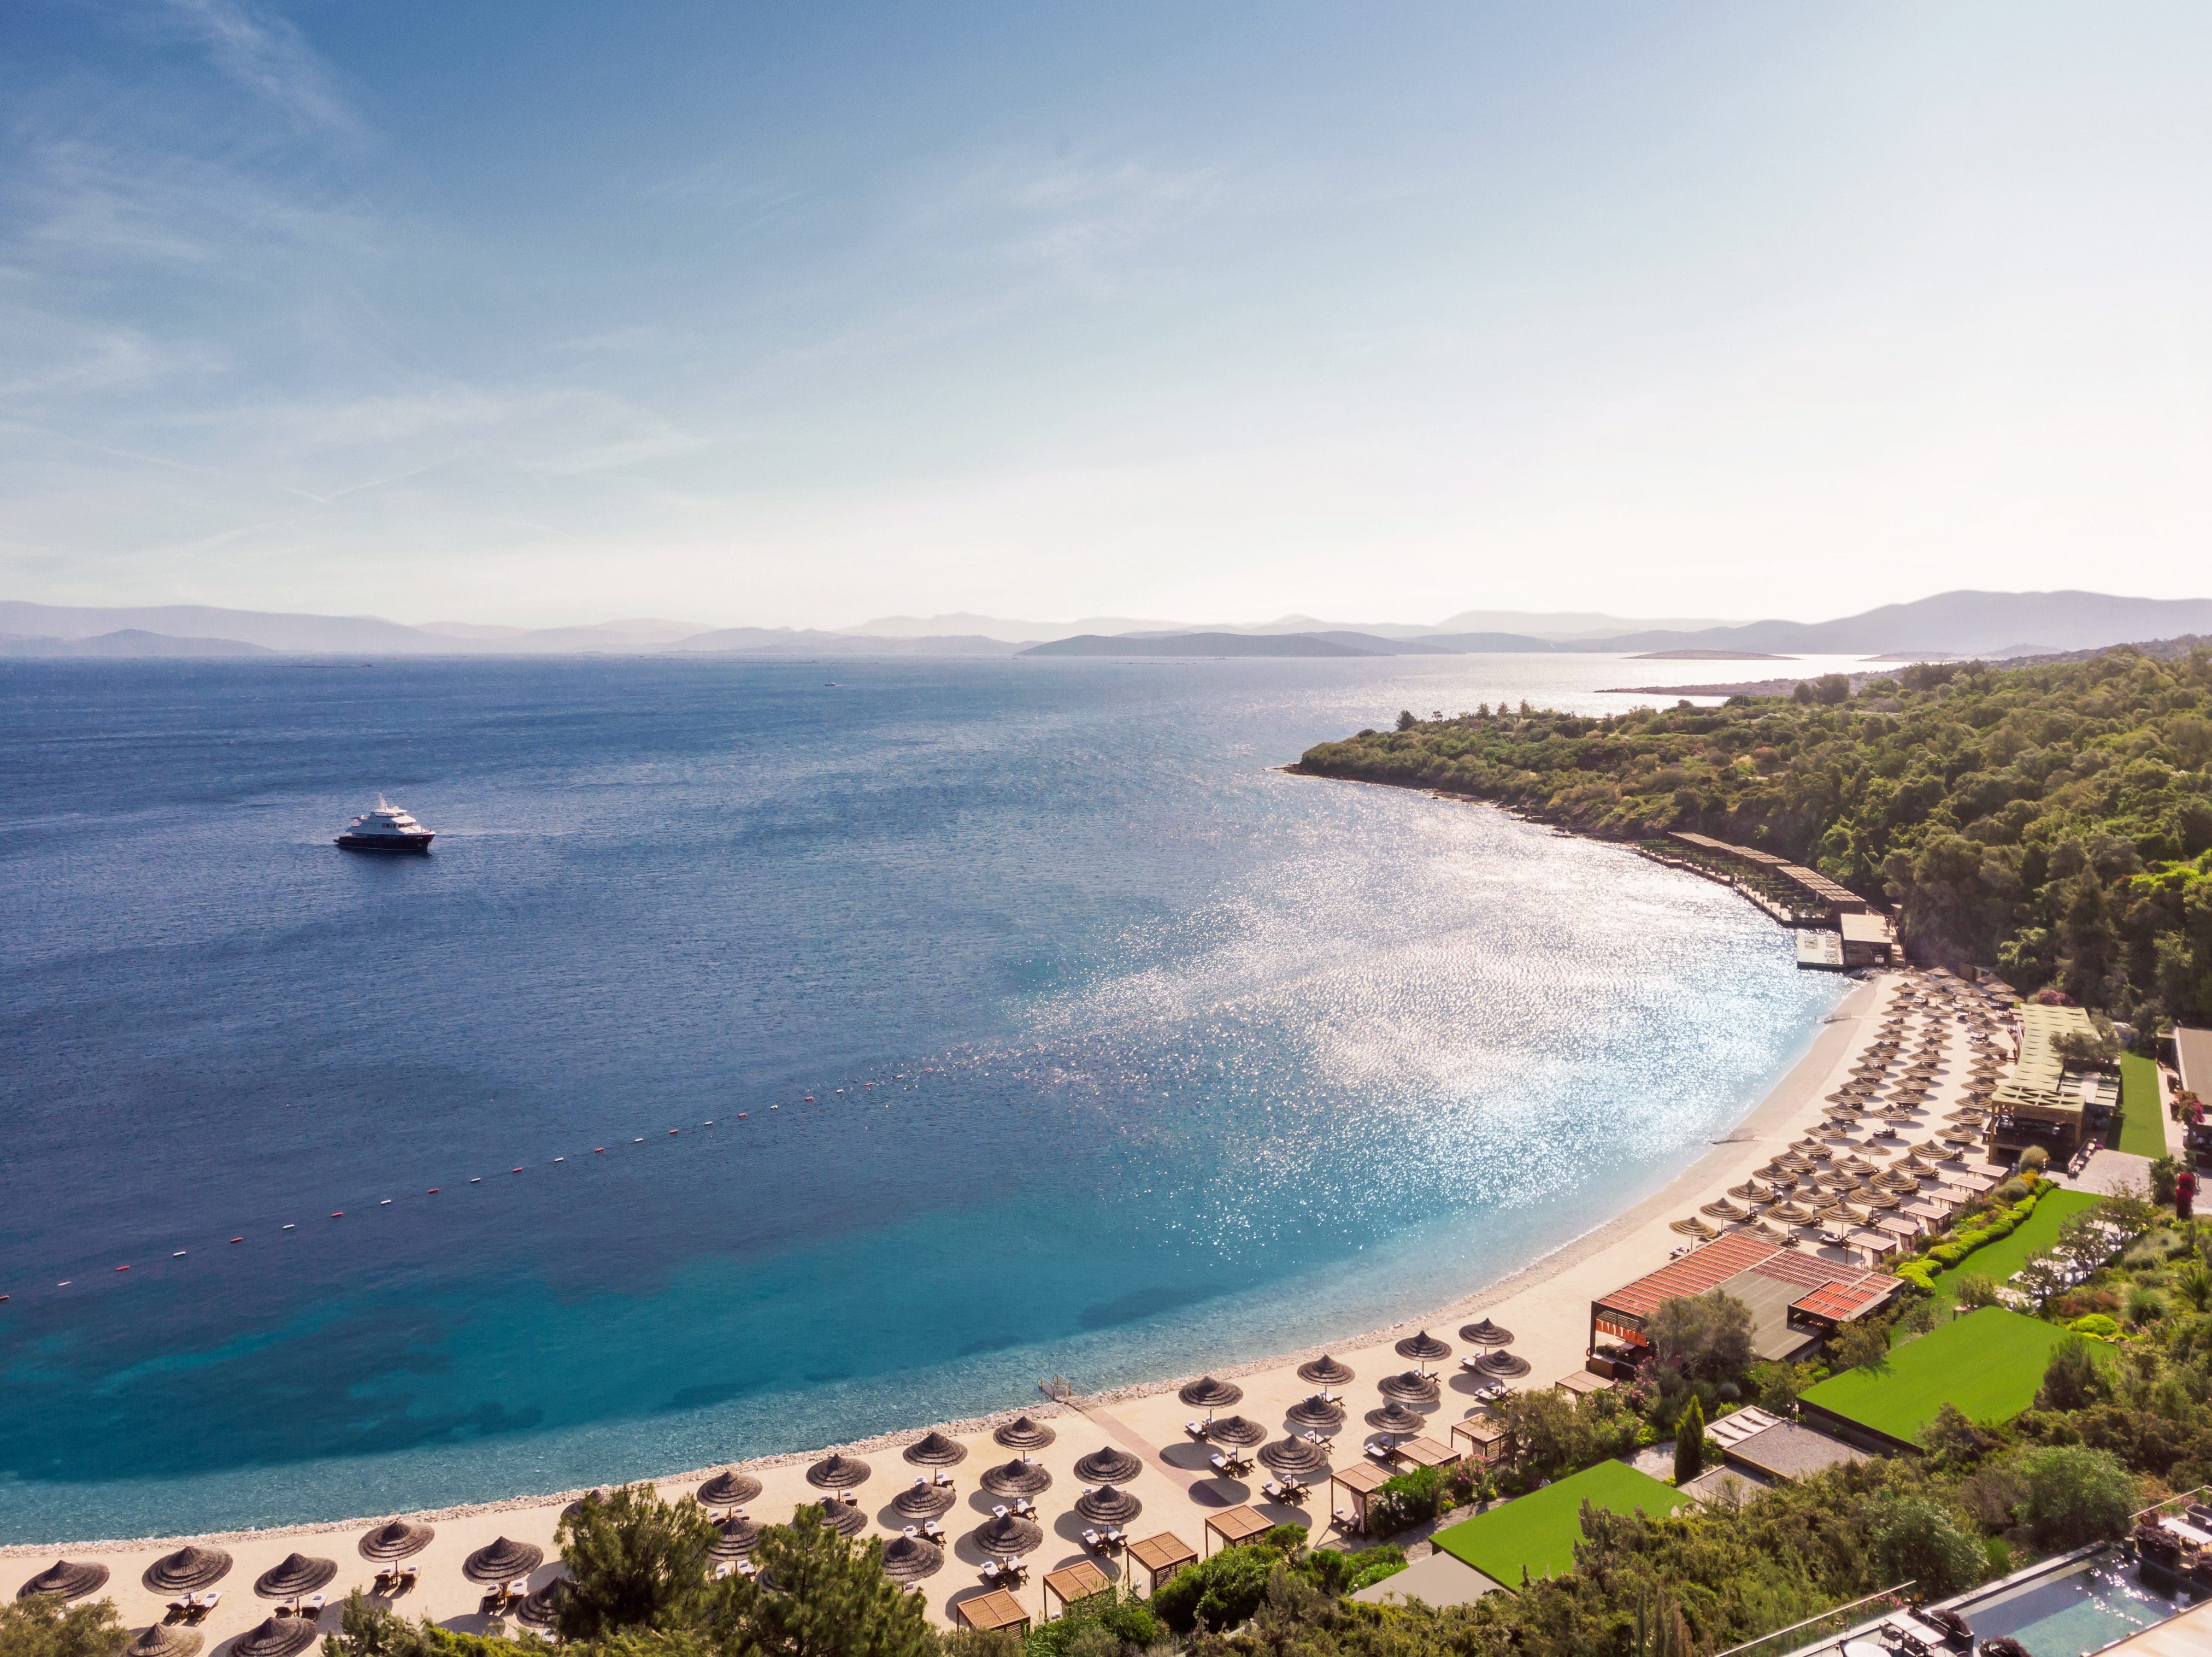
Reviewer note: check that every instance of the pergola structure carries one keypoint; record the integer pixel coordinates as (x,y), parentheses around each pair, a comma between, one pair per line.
(1073,1582)
(996,1609)
(1424,1452)
(1162,1556)
(1485,1437)
(1236,1525)
(1359,1481)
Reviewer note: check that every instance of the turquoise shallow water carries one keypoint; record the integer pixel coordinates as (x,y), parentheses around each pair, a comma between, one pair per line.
(1126,1054)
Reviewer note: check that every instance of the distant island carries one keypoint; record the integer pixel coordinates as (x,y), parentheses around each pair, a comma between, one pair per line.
(2053,820)
(1709,655)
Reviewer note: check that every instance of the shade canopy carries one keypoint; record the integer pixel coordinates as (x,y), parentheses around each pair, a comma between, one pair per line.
(163,1640)
(1108,1466)
(1236,1431)
(275,1637)
(1325,1371)
(502,1561)
(539,1608)
(1109,1505)
(187,1570)
(1300,1458)
(1395,1418)
(295,1574)
(1020,1476)
(1023,1434)
(837,1472)
(1417,1390)
(734,1539)
(922,1501)
(841,1517)
(909,1559)
(1207,1393)
(933,1449)
(1317,1414)
(395,1540)
(1505,1364)
(1423,1348)
(1005,1533)
(71,1579)
(729,1490)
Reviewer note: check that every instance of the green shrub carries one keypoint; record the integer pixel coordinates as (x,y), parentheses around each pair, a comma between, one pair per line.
(2076,1496)
(2096,1324)
(1919,1275)
(1406,1500)
(1977,1288)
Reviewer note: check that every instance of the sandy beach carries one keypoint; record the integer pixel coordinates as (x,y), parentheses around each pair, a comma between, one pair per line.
(1546,1304)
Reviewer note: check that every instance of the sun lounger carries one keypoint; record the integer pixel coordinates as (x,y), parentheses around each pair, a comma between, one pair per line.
(1197,1429)
(990,1571)
(1094,1541)
(209,1601)
(310,1606)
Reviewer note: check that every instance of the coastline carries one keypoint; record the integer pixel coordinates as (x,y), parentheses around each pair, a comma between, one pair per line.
(1544,1302)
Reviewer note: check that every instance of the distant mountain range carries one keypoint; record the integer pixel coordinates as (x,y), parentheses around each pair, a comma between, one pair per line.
(1987,624)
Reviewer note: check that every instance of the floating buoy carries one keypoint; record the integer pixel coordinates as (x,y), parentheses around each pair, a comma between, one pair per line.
(810,1099)
(237,1239)
(123,1268)
(515,1170)
(598,1150)
(433,1192)
(338,1214)
(741,1116)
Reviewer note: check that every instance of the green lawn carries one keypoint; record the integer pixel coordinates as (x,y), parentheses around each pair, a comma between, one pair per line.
(1540,1529)
(1988,1363)
(2143,1119)
(2000,1260)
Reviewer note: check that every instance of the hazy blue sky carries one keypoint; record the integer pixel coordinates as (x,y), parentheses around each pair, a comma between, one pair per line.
(547,312)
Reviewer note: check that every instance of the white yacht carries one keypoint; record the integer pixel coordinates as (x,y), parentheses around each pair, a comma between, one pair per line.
(388,828)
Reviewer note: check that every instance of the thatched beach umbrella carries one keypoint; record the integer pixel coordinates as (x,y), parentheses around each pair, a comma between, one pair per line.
(1295,1457)
(1108,1506)
(922,1500)
(909,1558)
(1236,1432)
(1395,1418)
(1325,1371)
(295,1575)
(933,1449)
(1795,1213)
(1484,1332)
(395,1539)
(841,1517)
(1020,1476)
(70,1579)
(1424,1349)
(1317,1414)
(1418,1390)
(735,1537)
(1724,1209)
(1006,1533)
(1023,1434)
(187,1570)
(503,1561)
(837,1471)
(1207,1393)
(729,1488)
(1108,1466)
(163,1640)
(1694,1226)
(541,1606)
(1505,1365)
(275,1637)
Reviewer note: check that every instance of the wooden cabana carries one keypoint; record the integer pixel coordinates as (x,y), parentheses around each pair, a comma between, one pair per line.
(1162,1556)
(1236,1525)
(1073,1582)
(995,1609)
(1359,1481)
(1486,1439)
(1424,1452)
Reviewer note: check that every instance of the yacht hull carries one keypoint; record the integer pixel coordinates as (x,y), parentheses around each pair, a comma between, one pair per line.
(387,843)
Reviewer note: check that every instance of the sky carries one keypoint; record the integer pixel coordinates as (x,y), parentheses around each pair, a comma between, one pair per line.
(798,315)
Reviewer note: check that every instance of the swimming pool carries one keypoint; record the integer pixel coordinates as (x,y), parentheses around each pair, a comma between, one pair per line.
(2079,1609)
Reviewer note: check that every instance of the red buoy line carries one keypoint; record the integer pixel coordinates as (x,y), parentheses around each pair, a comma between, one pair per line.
(597,1150)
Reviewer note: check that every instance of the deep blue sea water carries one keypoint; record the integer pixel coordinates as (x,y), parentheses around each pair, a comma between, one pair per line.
(1127,1055)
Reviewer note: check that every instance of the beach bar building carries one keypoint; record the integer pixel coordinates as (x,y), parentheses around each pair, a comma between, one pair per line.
(2048,1100)
(1797,1300)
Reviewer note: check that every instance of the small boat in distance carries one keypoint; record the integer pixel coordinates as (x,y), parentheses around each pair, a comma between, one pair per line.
(388,828)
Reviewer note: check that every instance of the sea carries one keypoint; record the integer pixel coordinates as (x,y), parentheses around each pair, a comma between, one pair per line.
(775,1053)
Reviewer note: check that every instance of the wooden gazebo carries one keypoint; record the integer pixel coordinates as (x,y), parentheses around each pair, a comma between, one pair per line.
(996,1609)
(1237,1525)
(1071,1583)
(1162,1556)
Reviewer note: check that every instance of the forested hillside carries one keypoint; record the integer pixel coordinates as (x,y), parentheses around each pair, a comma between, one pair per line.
(2051,821)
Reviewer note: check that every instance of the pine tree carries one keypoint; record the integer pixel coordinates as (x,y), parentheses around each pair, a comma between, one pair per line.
(1689,1443)
(820,1596)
